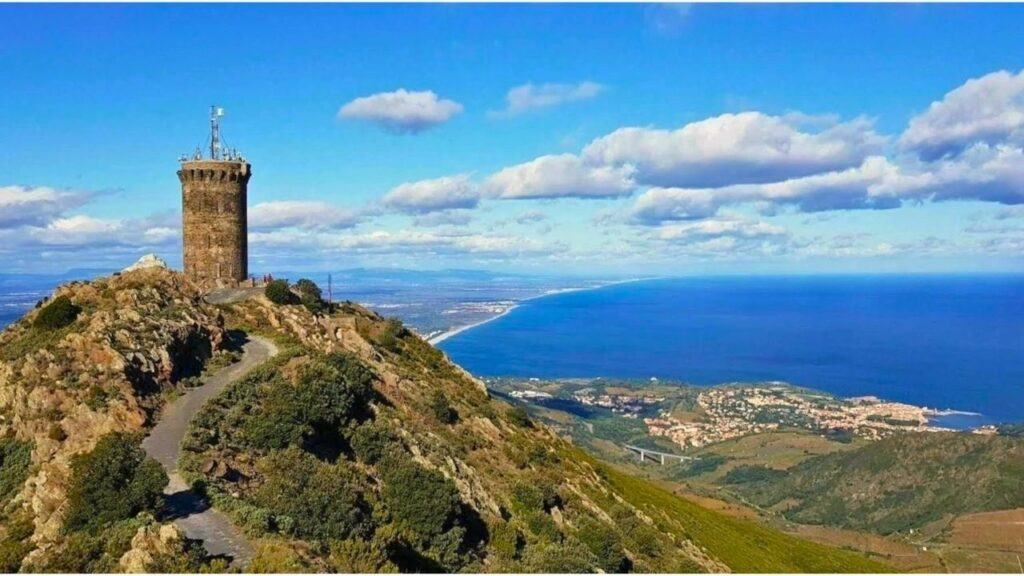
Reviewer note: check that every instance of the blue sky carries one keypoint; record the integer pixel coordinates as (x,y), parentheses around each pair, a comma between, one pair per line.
(599,139)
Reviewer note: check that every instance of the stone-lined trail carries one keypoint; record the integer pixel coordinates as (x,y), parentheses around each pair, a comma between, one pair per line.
(192,514)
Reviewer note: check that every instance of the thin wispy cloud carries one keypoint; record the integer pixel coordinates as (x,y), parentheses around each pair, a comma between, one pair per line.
(302,214)
(668,18)
(529,97)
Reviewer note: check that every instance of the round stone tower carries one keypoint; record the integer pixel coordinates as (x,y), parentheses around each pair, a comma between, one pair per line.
(214,215)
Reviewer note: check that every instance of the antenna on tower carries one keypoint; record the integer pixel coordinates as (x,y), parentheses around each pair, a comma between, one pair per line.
(215,114)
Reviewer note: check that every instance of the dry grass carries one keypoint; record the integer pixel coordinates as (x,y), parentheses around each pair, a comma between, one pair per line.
(901,555)
(1001,530)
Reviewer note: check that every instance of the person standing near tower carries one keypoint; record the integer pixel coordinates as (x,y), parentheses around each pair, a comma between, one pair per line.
(215,249)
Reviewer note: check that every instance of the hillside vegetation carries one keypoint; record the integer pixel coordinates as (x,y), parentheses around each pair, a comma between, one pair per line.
(895,484)
(358,448)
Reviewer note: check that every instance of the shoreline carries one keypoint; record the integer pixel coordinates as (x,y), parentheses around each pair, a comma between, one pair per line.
(435,340)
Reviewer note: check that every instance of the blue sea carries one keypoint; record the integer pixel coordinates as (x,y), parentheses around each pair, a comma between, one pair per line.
(952,342)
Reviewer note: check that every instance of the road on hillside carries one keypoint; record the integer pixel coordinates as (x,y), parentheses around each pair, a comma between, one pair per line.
(192,514)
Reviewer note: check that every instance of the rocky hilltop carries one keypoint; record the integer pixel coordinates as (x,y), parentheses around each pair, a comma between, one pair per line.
(358,447)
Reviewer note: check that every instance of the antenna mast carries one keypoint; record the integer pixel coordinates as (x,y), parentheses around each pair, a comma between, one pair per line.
(215,114)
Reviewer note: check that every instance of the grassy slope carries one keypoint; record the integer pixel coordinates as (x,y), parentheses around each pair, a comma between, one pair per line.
(742,545)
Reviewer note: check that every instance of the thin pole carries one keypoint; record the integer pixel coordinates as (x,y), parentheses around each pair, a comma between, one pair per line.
(330,290)
(214,133)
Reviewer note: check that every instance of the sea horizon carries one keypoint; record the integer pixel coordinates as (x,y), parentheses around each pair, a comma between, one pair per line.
(507,345)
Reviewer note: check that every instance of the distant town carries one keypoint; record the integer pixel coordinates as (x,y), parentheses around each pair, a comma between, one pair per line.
(693,417)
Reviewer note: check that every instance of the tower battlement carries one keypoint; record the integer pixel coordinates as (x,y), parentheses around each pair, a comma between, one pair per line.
(214,171)
(214,213)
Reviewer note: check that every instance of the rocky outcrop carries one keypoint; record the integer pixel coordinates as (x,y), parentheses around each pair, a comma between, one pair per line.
(138,333)
(150,543)
(147,261)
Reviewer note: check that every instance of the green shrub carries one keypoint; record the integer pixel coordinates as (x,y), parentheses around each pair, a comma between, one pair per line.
(391,334)
(78,553)
(15,545)
(59,313)
(331,391)
(278,557)
(506,542)
(115,481)
(372,442)
(536,494)
(15,459)
(81,552)
(306,286)
(520,417)
(442,409)
(420,499)
(277,423)
(312,303)
(310,296)
(542,526)
(334,389)
(604,543)
(526,496)
(323,501)
(706,464)
(360,557)
(278,292)
(747,474)
(567,557)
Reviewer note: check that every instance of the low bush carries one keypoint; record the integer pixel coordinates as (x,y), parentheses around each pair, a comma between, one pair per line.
(604,543)
(57,314)
(115,481)
(747,474)
(422,500)
(15,459)
(16,545)
(361,557)
(331,391)
(442,409)
(323,501)
(372,442)
(306,286)
(520,417)
(310,296)
(391,334)
(278,292)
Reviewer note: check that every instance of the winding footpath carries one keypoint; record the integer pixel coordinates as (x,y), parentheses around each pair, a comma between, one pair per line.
(192,514)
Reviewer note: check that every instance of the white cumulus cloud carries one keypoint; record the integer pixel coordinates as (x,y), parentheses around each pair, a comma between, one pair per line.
(876,183)
(21,205)
(402,111)
(558,176)
(744,148)
(987,110)
(445,193)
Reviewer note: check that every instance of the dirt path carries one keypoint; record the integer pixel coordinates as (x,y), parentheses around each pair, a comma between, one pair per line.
(192,514)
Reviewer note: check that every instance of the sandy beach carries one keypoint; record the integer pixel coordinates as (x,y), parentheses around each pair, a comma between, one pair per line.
(435,340)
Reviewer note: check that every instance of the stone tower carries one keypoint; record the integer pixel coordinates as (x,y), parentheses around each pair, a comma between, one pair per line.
(215,245)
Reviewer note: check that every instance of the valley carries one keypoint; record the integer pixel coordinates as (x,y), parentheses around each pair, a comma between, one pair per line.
(892,465)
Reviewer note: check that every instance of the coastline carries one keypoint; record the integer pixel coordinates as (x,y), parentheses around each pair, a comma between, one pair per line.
(435,340)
